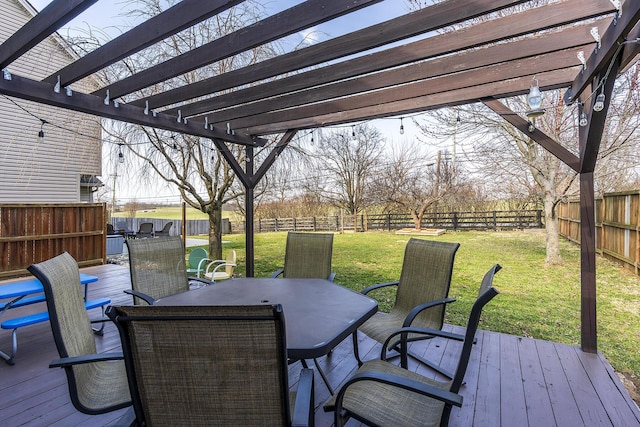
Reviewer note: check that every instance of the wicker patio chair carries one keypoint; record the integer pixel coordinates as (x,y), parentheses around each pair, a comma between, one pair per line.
(145,230)
(158,269)
(165,230)
(198,258)
(384,394)
(307,255)
(221,269)
(421,295)
(97,382)
(211,365)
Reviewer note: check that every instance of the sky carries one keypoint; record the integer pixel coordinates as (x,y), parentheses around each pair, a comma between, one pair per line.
(107,15)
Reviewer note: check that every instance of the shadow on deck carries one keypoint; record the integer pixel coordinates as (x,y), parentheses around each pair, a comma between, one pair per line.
(510,380)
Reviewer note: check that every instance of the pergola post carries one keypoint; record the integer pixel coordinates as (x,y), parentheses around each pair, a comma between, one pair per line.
(589,337)
(249,215)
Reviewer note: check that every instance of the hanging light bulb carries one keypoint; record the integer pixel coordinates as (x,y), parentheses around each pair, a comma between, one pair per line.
(583,119)
(41,133)
(401,127)
(599,104)
(353,131)
(120,154)
(532,127)
(534,99)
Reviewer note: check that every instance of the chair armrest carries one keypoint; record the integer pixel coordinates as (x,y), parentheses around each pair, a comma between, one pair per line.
(378,286)
(277,273)
(221,265)
(88,358)
(414,330)
(302,411)
(149,300)
(419,308)
(397,381)
(202,264)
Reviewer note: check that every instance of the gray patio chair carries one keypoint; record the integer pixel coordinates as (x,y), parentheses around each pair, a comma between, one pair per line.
(307,255)
(165,230)
(211,365)
(384,394)
(145,230)
(157,269)
(97,382)
(421,294)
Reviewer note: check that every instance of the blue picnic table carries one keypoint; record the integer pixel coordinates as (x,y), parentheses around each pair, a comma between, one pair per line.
(28,292)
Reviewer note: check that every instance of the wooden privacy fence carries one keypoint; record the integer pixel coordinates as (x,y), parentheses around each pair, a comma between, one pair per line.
(31,233)
(490,220)
(617,226)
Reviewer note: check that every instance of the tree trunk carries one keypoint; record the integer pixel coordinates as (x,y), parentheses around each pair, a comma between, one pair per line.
(552,234)
(215,233)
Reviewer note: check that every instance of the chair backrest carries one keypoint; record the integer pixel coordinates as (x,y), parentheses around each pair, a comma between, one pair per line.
(145,229)
(110,229)
(122,225)
(165,229)
(426,276)
(157,267)
(308,255)
(472,326)
(69,321)
(231,259)
(195,256)
(206,365)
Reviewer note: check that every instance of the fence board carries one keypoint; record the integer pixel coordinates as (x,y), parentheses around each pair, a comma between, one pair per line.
(617,226)
(34,233)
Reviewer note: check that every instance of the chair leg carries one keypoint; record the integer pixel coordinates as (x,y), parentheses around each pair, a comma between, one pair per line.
(356,351)
(322,375)
(424,361)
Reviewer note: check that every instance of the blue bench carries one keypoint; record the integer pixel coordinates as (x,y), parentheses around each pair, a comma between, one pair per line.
(31,319)
(21,302)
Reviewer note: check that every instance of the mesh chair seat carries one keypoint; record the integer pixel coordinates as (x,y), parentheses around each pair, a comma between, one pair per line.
(210,365)
(96,387)
(307,255)
(157,268)
(387,395)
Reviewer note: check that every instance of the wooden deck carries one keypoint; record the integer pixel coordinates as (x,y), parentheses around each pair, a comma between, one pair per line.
(511,381)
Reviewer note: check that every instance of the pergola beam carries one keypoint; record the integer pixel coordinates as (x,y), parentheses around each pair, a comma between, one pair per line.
(44,93)
(514,54)
(52,17)
(402,27)
(294,19)
(544,140)
(445,83)
(609,45)
(173,20)
(519,86)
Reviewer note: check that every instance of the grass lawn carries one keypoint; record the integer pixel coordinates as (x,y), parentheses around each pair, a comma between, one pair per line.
(169,212)
(535,300)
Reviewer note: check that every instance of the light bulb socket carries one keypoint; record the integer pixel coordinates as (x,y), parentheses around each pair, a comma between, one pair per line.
(583,120)
(599,104)
(41,135)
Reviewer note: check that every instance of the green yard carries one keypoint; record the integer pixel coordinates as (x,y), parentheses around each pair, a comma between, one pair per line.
(536,300)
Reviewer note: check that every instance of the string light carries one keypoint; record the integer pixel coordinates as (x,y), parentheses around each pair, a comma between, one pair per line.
(583,119)
(41,133)
(353,131)
(120,154)
(599,104)
(401,127)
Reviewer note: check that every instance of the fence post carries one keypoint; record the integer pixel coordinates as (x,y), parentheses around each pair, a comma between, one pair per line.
(495,221)
(314,224)
(295,225)
(388,222)
(539,217)
(454,220)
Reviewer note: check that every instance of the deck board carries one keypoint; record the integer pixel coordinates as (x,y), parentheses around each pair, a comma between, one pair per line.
(510,380)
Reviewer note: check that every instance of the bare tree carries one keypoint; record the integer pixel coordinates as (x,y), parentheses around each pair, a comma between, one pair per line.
(345,161)
(189,164)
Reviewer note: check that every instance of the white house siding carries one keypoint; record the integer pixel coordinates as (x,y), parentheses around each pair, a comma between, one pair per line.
(48,171)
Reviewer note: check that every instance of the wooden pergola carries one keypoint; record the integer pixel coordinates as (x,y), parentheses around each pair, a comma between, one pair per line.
(483,61)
